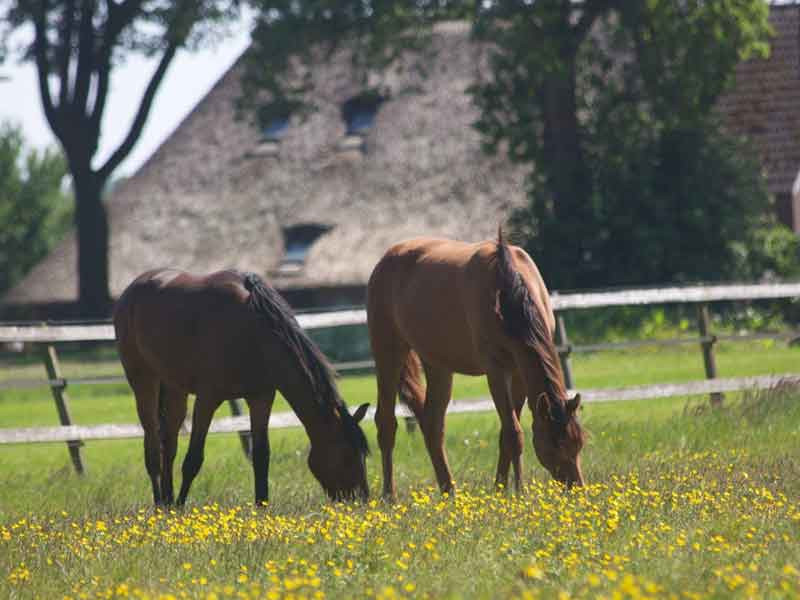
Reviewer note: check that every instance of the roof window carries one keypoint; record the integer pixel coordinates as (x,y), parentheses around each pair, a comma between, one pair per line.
(359,112)
(275,129)
(297,242)
(273,119)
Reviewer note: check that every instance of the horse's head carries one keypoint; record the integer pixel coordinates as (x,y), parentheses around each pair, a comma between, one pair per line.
(338,461)
(558,438)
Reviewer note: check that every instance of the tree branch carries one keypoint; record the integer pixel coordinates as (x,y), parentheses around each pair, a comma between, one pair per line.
(103,77)
(43,70)
(141,116)
(119,16)
(67,28)
(86,55)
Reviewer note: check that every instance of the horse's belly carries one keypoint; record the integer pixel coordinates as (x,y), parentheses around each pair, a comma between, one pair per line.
(222,382)
(443,341)
(202,364)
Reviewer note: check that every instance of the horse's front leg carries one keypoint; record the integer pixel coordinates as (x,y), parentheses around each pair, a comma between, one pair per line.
(507,401)
(201,420)
(260,409)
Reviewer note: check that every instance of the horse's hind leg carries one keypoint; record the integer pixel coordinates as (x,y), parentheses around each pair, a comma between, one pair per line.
(437,397)
(511,436)
(504,461)
(201,420)
(145,389)
(260,408)
(172,412)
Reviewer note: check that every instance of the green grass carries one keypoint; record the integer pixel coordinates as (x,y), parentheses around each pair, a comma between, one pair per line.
(681,499)
(93,404)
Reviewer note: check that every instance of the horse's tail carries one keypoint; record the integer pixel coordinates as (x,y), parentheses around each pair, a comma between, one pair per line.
(411,389)
(523,319)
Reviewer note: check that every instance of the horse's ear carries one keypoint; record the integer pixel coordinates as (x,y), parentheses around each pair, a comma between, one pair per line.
(360,412)
(574,404)
(543,406)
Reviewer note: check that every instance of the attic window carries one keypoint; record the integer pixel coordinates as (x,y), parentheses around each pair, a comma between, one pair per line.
(297,241)
(359,112)
(273,120)
(275,129)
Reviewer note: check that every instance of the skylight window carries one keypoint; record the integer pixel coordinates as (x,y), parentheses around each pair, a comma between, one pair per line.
(359,112)
(275,129)
(273,122)
(297,242)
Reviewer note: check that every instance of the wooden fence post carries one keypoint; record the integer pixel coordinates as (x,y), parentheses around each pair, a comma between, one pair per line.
(566,363)
(57,387)
(707,344)
(244,436)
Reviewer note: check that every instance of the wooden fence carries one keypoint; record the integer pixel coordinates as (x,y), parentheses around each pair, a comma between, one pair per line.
(49,334)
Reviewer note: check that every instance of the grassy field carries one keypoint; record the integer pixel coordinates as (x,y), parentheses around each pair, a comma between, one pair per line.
(681,502)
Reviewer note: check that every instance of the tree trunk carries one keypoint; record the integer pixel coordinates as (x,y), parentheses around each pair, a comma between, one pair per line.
(568,179)
(92,225)
(567,172)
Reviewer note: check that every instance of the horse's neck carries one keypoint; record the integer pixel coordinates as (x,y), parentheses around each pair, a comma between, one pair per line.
(301,397)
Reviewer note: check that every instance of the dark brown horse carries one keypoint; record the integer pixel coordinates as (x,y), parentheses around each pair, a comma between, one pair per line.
(223,336)
(475,309)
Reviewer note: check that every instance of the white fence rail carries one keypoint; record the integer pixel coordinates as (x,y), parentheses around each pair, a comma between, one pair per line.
(65,332)
(282,420)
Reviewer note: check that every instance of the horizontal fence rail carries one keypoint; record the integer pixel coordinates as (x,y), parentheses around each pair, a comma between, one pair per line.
(51,333)
(104,331)
(483,404)
(676,294)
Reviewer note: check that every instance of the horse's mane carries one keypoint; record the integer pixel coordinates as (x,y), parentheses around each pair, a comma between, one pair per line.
(523,320)
(320,374)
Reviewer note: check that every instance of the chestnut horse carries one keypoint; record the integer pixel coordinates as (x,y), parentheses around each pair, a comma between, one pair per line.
(474,309)
(223,336)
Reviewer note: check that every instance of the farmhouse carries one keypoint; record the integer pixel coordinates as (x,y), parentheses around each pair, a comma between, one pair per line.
(312,204)
(763,106)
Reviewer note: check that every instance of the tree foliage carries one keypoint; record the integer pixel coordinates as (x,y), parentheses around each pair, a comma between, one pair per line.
(290,36)
(76,45)
(611,103)
(34,210)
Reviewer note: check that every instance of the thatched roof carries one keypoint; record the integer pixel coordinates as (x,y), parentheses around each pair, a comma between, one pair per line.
(214,196)
(208,198)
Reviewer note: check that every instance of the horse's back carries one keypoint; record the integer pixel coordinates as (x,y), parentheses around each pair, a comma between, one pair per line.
(180,326)
(448,261)
(426,291)
(161,293)
(439,296)
(419,257)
